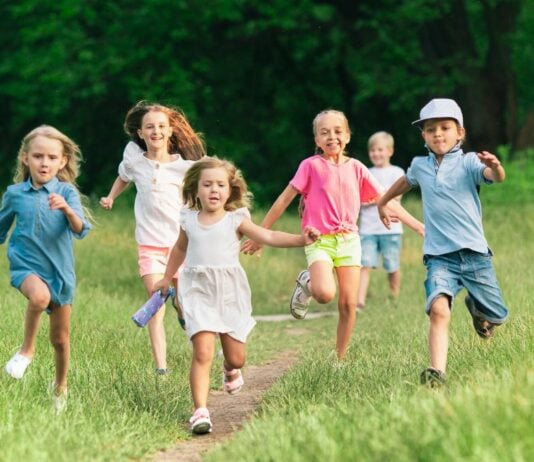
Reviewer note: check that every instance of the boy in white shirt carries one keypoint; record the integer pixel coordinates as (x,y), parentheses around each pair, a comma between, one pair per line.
(376,239)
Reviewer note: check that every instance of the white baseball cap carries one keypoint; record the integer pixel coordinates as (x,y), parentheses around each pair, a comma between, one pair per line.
(440,108)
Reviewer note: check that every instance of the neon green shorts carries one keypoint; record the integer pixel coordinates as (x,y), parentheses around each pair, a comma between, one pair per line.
(337,249)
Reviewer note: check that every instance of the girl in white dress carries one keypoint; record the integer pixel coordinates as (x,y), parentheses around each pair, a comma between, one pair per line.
(213,291)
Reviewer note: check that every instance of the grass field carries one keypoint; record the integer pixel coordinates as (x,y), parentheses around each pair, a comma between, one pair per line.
(371,410)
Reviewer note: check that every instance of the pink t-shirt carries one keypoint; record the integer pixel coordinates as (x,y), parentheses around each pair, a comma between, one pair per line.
(333,193)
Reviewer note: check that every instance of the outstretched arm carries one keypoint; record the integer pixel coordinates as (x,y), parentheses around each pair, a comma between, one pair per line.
(385,204)
(118,187)
(264,236)
(494,170)
(279,206)
(176,258)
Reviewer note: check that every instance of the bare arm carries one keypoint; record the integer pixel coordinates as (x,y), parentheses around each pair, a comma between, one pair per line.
(264,236)
(118,187)
(176,258)
(400,187)
(279,206)
(494,171)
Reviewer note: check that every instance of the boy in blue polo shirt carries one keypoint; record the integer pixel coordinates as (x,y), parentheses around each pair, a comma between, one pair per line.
(456,253)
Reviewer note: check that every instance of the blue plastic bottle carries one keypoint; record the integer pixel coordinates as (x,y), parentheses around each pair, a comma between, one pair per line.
(151,307)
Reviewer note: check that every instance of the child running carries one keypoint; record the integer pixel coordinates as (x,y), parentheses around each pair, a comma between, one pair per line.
(163,147)
(213,289)
(456,254)
(46,207)
(332,186)
(377,240)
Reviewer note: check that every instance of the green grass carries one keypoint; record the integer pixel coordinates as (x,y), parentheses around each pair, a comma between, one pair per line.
(373,409)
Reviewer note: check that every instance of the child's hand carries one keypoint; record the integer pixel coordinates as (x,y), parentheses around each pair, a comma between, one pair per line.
(106,203)
(384,214)
(162,285)
(249,247)
(488,159)
(57,202)
(310,235)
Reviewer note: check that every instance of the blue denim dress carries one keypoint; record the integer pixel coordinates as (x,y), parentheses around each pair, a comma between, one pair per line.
(41,242)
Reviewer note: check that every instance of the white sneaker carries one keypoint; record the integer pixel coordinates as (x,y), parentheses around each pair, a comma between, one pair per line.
(301,297)
(17,365)
(59,401)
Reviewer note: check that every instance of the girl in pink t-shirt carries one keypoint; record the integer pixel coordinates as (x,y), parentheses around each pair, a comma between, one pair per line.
(332,186)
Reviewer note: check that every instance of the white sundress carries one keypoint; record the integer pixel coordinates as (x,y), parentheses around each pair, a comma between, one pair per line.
(213,288)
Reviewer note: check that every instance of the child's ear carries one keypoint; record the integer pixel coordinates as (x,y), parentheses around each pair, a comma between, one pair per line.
(64,161)
(24,158)
(139,132)
(461,133)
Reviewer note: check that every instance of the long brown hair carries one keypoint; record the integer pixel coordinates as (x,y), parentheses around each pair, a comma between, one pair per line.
(239,194)
(184,140)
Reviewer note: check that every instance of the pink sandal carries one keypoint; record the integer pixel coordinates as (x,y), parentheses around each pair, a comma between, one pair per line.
(200,421)
(234,386)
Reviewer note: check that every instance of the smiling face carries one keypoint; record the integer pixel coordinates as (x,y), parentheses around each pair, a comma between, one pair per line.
(331,133)
(213,189)
(441,135)
(155,130)
(44,159)
(380,153)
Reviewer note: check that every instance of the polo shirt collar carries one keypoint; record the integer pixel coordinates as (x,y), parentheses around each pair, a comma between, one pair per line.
(51,186)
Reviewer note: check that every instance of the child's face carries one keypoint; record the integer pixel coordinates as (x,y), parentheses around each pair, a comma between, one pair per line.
(213,189)
(380,154)
(155,130)
(441,135)
(44,159)
(331,134)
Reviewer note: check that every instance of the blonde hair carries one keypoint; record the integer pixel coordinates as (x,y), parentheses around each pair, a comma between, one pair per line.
(318,150)
(184,140)
(68,173)
(239,194)
(71,151)
(381,136)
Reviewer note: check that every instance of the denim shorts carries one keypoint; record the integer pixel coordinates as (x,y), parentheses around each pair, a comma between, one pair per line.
(343,249)
(387,245)
(447,274)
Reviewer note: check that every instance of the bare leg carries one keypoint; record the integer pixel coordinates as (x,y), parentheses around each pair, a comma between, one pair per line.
(365,276)
(60,339)
(348,279)
(38,295)
(156,329)
(199,377)
(438,333)
(394,283)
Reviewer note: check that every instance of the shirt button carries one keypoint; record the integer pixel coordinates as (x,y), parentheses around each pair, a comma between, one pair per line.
(153,181)
(157,165)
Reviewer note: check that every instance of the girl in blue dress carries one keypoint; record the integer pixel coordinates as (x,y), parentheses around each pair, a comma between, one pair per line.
(45,204)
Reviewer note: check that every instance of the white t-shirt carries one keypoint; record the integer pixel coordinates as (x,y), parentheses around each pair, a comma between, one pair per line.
(159,195)
(369,220)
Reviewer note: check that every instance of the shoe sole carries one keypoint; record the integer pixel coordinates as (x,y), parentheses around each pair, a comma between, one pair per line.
(202,427)
(483,332)
(295,312)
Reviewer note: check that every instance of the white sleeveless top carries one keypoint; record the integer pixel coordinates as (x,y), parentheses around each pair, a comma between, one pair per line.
(213,287)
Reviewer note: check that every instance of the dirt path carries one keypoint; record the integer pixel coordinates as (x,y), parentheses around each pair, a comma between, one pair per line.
(229,413)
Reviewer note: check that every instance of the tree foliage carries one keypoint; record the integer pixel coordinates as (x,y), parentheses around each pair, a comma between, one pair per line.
(251,75)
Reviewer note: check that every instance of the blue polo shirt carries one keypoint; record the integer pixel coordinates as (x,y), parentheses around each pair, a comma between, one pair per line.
(41,242)
(451,205)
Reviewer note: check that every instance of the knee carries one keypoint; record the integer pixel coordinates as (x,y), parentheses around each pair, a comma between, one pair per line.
(203,354)
(60,341)
(323,296)
(39,301)
(440,311)
(235,361)
(346,308)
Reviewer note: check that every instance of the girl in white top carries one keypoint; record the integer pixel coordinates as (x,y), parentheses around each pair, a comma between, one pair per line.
(214,290)
(163,147)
